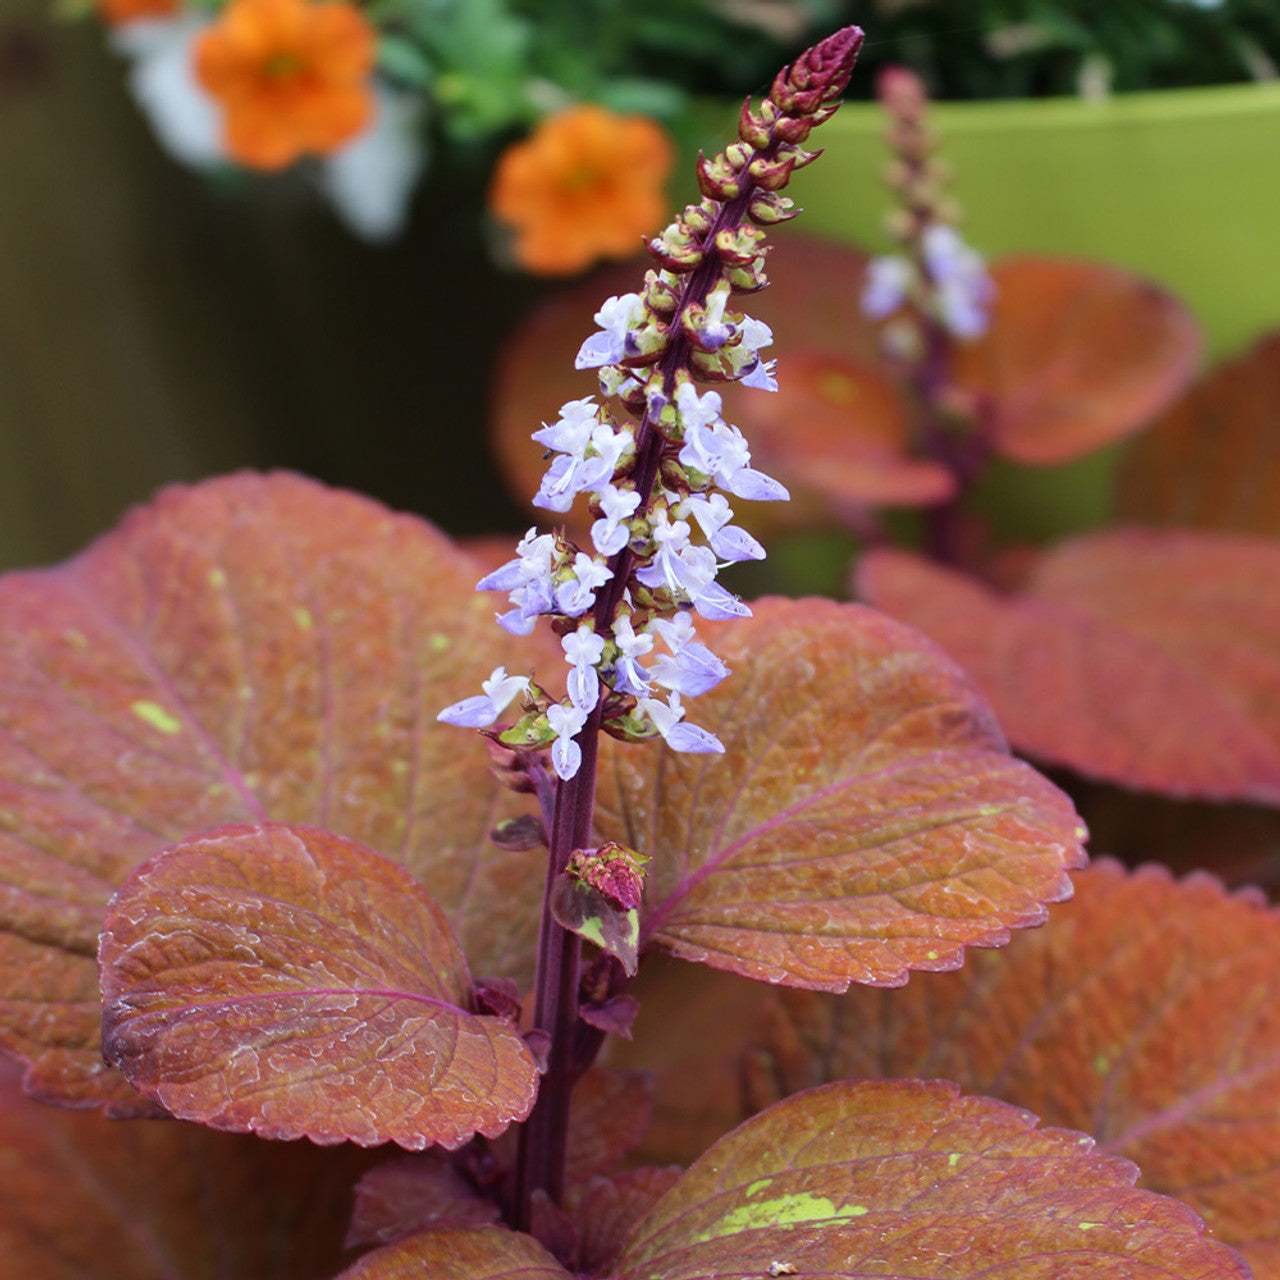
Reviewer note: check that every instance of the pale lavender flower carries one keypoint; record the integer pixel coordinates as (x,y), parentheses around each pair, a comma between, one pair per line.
(577,593)
(672,537)
(615,319)
(757,334)
(500,690)
(697,410)
(713,514)
(715,330)
(675,632)
(528,578)
(608,534)
(668,719)
(571,433)
(693,671)
(566,723)
(582,651)
(691,573)
(567,477)
(628,675)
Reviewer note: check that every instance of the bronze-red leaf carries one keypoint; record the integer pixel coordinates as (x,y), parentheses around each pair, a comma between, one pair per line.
(1145,1014)
(1150,658)
(1213,460)
(287,982)
(903,1178)
(1077,355)
(865,819)
(251,648)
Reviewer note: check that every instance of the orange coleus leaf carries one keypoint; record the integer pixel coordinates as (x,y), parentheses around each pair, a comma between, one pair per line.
(284,981)
(1144,1014)
(292,77)
(252,648)
(588,184)
(411,1193)
(901,1179)
(83,1196)
(1149,658)
(865,819)
(1213,460)
(1076,355)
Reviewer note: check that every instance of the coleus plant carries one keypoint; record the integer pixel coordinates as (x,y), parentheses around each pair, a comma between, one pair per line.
(312,910)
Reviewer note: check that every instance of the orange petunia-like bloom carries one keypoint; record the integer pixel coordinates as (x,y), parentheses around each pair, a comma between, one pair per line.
(117,12)
(586,185)
(293,77)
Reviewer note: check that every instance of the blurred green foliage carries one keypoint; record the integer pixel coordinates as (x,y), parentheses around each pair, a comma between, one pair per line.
(1035,48)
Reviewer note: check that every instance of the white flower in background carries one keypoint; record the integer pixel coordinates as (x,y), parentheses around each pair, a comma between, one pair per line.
(370,181)
(185,118)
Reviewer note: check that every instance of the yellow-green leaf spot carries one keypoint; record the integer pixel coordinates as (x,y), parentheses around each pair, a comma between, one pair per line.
(302,616)
(439,642)
(782,1211)
(156,716)
(217,578)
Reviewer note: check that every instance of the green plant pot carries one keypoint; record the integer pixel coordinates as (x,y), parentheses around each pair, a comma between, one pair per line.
(1181,186)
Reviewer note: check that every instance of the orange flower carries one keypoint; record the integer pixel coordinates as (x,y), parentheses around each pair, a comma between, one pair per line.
(586,185)
(117,12)
(293,77)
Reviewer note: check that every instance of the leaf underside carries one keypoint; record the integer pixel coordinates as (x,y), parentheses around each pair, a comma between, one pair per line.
(286,982)
(1150,658)
(1144,1014)
(251,648)
(865,819)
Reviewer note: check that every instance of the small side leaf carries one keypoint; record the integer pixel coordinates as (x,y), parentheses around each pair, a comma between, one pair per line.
(865,819)
(287,982)
(411,1193)
(903,1178)
(1077,355)
(460,1253)
(1150,658)
(605,1211)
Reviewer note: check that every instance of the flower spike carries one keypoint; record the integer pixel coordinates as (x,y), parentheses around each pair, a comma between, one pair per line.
(654,459)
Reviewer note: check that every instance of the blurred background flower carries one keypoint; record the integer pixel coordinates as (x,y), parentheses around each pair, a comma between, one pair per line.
(587,185)
(164,321)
